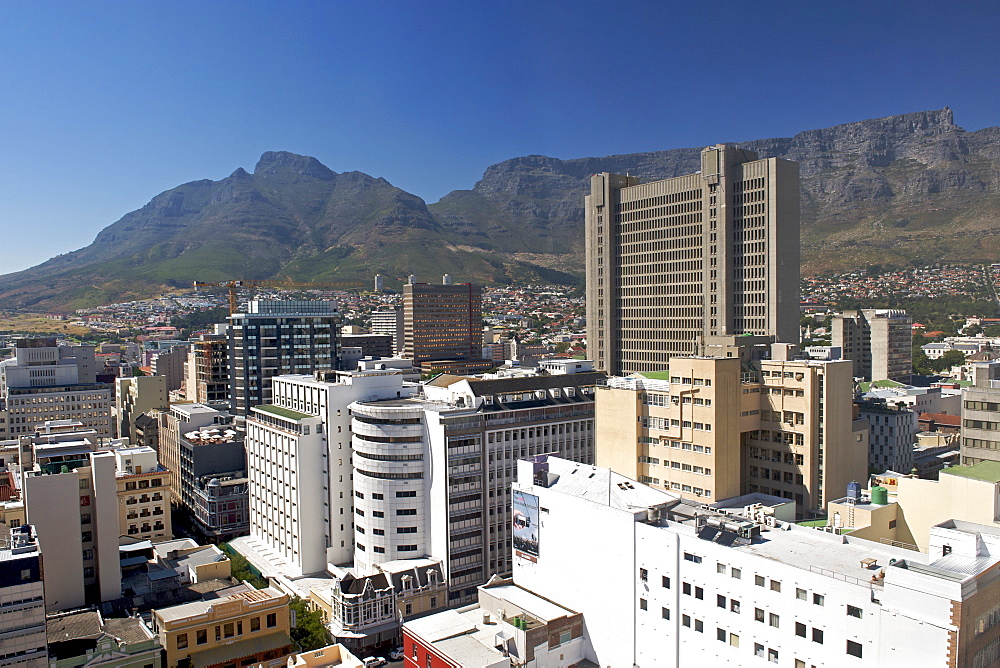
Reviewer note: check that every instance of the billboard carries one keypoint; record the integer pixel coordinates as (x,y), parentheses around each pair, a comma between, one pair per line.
(525,521)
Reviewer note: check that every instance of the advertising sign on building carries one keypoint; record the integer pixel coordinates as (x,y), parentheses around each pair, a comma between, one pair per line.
(525,508)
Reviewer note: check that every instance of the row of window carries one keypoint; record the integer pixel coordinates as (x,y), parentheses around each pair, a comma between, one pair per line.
(227,630)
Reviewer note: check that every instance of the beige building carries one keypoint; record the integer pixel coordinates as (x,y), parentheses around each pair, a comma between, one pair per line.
(250,626)
(135,396)
(442,323)
(331,655)
(206,371)
(913,505)
(143,494)
(726,424)
(878,341)
(671,261)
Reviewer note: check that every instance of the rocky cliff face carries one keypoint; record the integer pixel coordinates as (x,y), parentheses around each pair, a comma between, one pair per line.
(905,189)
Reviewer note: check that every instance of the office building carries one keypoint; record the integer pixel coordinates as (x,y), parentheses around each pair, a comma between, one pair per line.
(892,433)
(169,364)
(206,372)
(661,581)
(45,381)
(443,489)
(878,341)
(71,498)
(299,465)
(22,601)
(134,397)
(731,422)
(388,320)
(443,324)
(185,427)
(981,415)
(246,627)
(672,261)
(279,337)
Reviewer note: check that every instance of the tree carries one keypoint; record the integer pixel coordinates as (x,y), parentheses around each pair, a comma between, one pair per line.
(948,360)
(562,346)
(972,330)
(310,633)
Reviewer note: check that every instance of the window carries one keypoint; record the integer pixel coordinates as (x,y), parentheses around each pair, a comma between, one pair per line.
(734,640)
(665,613)
(406,511)
(775,585)
(699,626)
(818,635)
(686,621)
(736,573)
(758,580)
(228,630)
(773,620)
(88,555)
(692,558)
(201,636)
(272,620)
(686,588)
(254,624)
(182,640)
(88,572)
(853,611)
(720,601)
(642,604)
(854,648)
(665,582)
(720,634)
(87,536)
(643,574)
(720,568)
(84,518)
(819,599)
(699,593)
(800,629)
(406,495)
(758,615)
(772,655)
(758,650)
(801,594)
(734,605)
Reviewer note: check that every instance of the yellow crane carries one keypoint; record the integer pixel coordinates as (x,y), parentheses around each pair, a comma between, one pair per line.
(235,284)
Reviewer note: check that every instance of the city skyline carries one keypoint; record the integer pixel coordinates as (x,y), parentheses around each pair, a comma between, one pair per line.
(111,105)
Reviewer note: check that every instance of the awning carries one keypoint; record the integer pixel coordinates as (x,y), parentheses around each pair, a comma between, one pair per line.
(237,650)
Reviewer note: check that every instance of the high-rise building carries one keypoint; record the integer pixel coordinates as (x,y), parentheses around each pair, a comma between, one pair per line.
(206,372)
(279,337)
(135,396)
(892,435)
(878,341)
(672,261)
(22,601)
(45,381)
(169,364)
(389,320)
(443,323)
(728,422)
(981,415)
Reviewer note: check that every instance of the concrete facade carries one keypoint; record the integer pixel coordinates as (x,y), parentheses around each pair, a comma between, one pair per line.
(981,415)
(878,341)
(442,322)
(670,261)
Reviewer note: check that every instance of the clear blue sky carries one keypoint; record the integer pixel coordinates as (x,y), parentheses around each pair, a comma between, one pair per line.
(106,104)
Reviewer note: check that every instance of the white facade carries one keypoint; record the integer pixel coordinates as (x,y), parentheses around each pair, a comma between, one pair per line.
(22,603)
(299,465)
(658,586)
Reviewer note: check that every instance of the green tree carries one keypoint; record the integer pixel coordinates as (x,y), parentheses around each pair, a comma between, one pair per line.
(309,632)
(992,331)
(562,346)
(948,360)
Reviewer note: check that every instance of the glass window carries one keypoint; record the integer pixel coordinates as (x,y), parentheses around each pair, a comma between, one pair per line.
(775,585)
(773,620)
(182,640)
(758,615)
(642,604)
(801,594)
(800,629)
(854,648)
(818,635)
(854,611)
(758,580)
(201,636)
(272,620)
(819,599)
(254,624)
(736,573)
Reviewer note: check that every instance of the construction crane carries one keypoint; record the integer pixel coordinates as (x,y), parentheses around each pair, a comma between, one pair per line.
(235,284)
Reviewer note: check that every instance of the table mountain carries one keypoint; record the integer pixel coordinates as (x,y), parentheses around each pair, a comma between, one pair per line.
(908,189)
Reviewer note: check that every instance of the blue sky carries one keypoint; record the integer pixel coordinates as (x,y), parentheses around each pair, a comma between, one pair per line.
(106,104)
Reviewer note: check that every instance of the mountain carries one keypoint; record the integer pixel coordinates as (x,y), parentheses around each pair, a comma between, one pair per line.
(908,189)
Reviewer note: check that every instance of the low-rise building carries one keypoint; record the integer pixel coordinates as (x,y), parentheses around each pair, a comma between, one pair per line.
(85,639)
(243,628)
(143,494)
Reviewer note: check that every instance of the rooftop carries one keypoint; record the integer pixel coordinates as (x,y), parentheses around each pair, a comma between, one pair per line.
(988,471)
(282,412)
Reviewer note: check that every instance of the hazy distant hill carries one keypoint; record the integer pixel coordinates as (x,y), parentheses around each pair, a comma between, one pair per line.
(905,189)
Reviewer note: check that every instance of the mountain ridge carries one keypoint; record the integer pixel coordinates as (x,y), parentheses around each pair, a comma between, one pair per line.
(899,190)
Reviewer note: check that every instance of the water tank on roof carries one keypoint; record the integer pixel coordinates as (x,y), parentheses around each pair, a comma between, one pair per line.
(880,496)
(854,490)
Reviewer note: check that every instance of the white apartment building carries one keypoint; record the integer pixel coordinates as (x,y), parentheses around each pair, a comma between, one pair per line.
(661,581)
(299,464)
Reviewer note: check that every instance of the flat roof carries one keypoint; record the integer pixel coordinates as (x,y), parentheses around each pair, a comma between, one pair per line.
(530,602)
(282,412)
(988,471)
